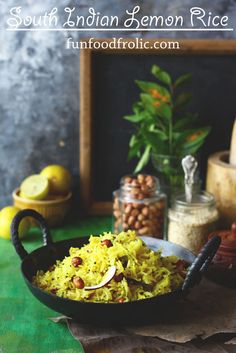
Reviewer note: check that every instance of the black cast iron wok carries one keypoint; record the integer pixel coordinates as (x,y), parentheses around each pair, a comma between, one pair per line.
(135,312)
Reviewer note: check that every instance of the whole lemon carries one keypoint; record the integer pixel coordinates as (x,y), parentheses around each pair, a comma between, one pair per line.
(60,180)
(6,216)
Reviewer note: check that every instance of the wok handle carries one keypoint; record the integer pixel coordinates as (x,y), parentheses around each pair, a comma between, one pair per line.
(15,230)
(201,263)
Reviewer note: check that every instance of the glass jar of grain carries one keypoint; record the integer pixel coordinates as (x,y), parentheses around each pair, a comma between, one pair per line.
(139,205)
(190,223)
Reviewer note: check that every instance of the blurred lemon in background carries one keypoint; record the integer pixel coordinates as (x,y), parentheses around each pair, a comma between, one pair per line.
(6,216)
(60,180)
(35,187)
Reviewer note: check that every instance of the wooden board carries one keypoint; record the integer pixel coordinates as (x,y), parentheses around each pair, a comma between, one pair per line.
(107,92)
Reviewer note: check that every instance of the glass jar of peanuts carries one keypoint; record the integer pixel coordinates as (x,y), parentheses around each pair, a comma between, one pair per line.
(140,205)
(191,223)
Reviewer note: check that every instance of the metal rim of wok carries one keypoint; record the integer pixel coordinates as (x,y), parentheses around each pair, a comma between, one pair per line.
(133,312)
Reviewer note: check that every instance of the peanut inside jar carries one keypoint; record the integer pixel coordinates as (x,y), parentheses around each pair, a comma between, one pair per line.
(139,205)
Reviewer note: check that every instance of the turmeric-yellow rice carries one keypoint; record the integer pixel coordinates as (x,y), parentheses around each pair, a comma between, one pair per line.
(140,272)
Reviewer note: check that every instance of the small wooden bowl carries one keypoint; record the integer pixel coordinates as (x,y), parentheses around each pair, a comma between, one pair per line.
(54,211)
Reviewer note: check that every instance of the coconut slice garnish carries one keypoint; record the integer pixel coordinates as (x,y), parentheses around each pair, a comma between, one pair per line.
(106,279)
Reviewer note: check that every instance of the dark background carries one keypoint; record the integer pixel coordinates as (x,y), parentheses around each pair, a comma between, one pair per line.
(39,88)
(114,92)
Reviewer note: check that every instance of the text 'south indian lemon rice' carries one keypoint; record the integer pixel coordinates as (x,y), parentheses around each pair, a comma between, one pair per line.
(140,272)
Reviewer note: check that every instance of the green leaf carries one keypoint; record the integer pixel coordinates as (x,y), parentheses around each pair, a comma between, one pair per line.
(186,122)
(193,149)
(148,102)
(191,139)
(182,80)
(134,118)
(196,136)
(144,159)
(133,141)
(164,111)
(135,145)
(182,100)
(146,99)
(161,75)
(134,151)
(157,140)
(151,87)
(157,129)
(154,136)
(137,107)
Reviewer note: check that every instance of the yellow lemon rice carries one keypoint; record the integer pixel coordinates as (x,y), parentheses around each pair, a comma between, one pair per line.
(140,272)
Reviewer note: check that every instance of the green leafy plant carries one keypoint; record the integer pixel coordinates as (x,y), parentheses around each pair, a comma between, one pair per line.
(163,124)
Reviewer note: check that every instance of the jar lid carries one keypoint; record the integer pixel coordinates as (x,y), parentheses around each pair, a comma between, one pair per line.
(199,200)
